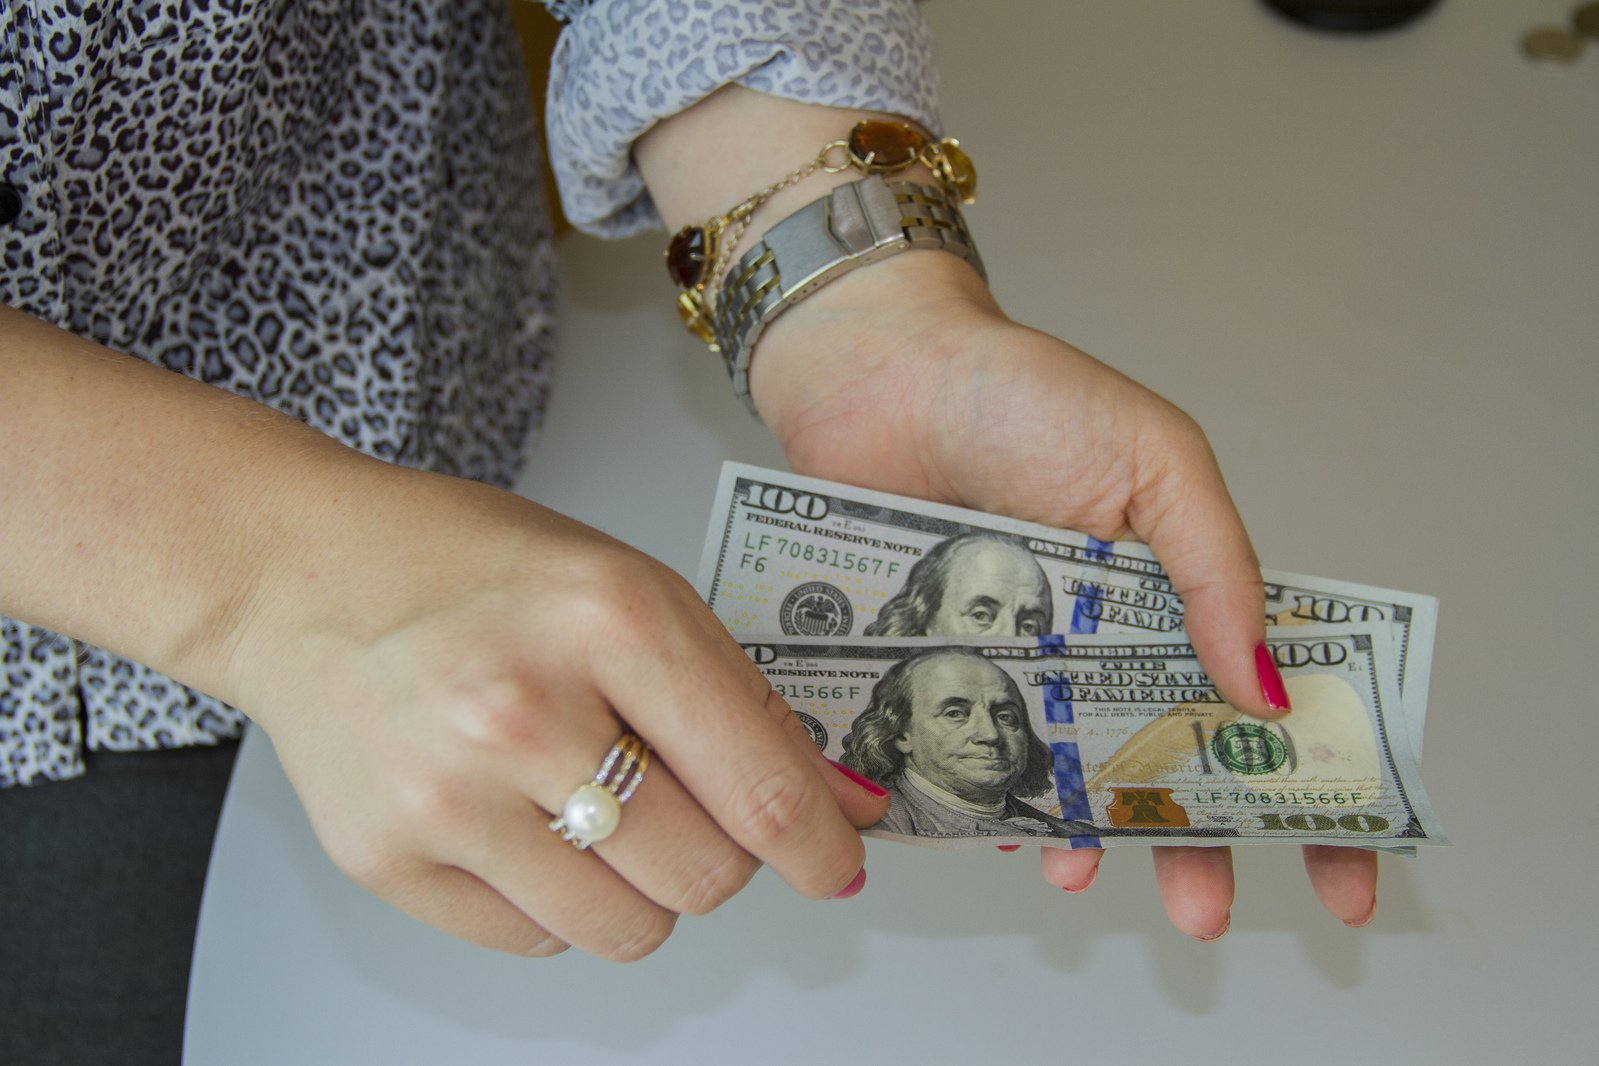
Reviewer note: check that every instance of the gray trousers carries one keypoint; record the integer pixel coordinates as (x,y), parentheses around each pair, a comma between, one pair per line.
(100,882)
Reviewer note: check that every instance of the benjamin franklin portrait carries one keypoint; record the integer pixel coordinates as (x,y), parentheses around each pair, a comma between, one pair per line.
(947,734)
(980,584)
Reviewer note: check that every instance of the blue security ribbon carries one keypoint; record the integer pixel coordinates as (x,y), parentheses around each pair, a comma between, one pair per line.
(1072,790)
(1085,612)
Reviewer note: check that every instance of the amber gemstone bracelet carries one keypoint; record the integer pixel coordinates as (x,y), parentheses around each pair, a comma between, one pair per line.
(698,254)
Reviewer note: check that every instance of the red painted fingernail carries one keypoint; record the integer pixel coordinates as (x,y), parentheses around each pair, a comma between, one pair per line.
(1271,681)
(1074,889)
(853,887)
(1007,847)
(1226,924)
(1361,923)
(866,783)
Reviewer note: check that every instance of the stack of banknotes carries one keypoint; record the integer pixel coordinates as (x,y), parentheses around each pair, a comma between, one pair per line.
(1010,683)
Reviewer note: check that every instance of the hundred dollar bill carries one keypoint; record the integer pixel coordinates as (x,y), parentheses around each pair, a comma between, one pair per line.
(803,557)
(1092,741)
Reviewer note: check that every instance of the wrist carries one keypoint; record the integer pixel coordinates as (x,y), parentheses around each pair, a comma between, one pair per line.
(882,334)
(271,535)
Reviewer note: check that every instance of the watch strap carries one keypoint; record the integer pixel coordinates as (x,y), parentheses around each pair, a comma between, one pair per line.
(857,223)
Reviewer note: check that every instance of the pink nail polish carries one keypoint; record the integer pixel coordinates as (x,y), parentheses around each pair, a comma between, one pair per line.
(1007,847)
(1271,681)
(1093,875)
(853,887)
(870,786)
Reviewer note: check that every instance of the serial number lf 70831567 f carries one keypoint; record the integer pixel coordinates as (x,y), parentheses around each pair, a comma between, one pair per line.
(757,545)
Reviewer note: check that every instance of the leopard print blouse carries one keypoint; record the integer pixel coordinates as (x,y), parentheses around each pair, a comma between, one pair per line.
(325,206)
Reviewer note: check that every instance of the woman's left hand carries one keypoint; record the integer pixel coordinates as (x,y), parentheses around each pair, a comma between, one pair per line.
(906,377)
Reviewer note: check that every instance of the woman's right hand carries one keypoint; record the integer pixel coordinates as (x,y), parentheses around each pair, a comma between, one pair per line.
(449,662)
(440,663)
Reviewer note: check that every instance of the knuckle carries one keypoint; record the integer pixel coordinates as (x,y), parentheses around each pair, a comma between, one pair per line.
(496,715)
(717,883)
(623,595)
(438,805)
(607,585)
(769,807)
(794,729)
(366,861)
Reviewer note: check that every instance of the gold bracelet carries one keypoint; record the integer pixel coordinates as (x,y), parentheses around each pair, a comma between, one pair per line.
(697,255)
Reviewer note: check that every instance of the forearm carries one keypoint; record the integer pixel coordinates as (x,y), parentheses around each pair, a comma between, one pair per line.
(704,159)
(142,511)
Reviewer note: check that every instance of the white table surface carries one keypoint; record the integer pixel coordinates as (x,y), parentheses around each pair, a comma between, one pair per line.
(1370,268)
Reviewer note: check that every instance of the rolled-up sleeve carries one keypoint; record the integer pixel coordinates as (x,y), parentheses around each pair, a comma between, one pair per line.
(621,66)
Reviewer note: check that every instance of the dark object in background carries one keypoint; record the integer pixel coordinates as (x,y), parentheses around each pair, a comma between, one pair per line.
(1351,16)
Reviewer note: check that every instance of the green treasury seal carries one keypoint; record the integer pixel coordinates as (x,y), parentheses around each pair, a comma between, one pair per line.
(1249,748)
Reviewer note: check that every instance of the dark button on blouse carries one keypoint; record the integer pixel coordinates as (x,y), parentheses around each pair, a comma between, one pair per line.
(10,203)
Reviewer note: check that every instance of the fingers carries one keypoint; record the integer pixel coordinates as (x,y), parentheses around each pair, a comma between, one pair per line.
(862,801)
(1345,880)
(1196,884)
(577,895)
(1073,870)
(499,843)
(1190,522)
(711,722)
(461,905)
(665,845)
(483,798)
(666,854)
(1196,887)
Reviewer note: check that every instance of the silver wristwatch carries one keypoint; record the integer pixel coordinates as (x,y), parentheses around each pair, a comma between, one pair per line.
(855,224)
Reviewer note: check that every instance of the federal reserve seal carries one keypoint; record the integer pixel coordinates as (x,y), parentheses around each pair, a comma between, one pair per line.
(815,609)
(815,728)
(1249,748)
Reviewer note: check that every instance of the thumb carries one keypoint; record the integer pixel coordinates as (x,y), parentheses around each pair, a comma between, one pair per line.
(1190,522)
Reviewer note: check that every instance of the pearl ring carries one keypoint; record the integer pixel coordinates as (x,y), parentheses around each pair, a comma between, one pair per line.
(593,812)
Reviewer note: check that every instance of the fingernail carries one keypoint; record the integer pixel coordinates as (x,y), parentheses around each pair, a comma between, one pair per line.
(1361,923)
(853,887)
(1074,889)
(1271,681)
(866,783)
(1227,923)
(1007,847)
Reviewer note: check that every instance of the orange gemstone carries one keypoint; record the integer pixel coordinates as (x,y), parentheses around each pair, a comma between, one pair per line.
(955,169)
(882,146)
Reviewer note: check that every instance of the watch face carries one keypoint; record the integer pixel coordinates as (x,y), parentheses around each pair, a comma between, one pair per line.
(816,609)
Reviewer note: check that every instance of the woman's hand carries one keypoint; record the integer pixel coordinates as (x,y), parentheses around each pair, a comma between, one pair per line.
(440,664)
(906,377)
(446,663)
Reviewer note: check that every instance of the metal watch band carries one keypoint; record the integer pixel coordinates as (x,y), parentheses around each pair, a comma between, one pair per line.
(857,223)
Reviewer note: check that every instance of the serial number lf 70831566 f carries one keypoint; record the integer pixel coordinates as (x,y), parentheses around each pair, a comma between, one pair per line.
(817,692)
(1278,798)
